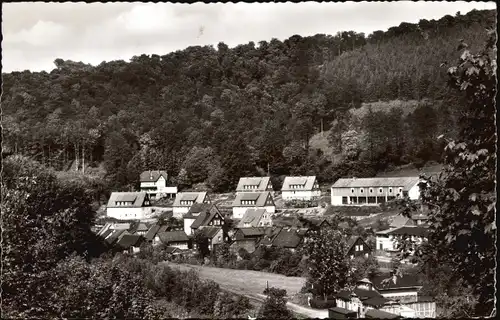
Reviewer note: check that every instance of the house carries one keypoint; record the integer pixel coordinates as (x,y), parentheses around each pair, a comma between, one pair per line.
(252,200)
(128,205)
(300,188)
(247,239)
(420,219)
(268,237)
(254,184)
(113,236)
(373,191)
(161,229)
(357,247)
(288,238)
(406,290)
(184,201)
(209,216)
(130,242)
(366,301)
(178,239)
(215,235)
(386,239)
(156,184)
(255,218)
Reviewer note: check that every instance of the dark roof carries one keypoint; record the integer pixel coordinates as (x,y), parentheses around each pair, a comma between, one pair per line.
(376,301)
(209,231)
(205,217)
(269,234)
(352,240)
(106,233)
(153,176)
(172,249)
(196,209)
(152,232)
(287,239)
(361,293)
(342,311)
(249,232)
(173,236)
(410,231)
(137,199)
(129,240)
(378,314)
(114,236)
(406,281)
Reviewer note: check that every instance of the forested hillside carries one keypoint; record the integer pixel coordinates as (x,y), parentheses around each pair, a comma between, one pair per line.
(212,115)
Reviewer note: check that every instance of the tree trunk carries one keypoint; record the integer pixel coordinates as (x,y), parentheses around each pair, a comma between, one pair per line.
(76,156)
(83,158)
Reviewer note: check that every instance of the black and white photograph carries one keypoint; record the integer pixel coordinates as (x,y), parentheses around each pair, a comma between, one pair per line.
(274,160)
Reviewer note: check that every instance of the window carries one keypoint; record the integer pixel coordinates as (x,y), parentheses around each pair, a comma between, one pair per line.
(400,190)
(361,190)
(360,247)
(380,190)
(371,190)
(352,190)
(390,190)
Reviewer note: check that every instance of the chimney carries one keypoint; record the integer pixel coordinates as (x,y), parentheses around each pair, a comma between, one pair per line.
(150,175)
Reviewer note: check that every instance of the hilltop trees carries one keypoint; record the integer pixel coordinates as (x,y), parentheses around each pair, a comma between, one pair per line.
(251,105)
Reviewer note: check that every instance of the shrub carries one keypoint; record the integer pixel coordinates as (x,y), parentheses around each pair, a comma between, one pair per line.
(322,304)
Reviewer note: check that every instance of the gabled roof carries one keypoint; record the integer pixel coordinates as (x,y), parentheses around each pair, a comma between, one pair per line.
(210,231)
(260,182)
(287,239)
(306,181)
(129,240)
(400,221)
(252,232)
(405,281)
(196,209)
(362,294)
(197,197)
(137,199)
(352,240)
(205,217)
(152,232)
(410,231)
(269,234)
(153,176)
(379,314)
(173,236)
(405,182)
(114,236)
(259,197)
(251,217)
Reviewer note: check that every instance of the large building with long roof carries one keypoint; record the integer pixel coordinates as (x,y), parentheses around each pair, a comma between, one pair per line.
(373,191)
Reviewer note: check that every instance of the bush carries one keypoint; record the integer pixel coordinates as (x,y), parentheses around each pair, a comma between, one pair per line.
(322,304)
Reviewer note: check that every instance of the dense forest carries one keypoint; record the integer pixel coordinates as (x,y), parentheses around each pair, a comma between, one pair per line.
(211,115)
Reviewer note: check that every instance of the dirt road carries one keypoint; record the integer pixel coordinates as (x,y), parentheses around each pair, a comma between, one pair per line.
(252,283)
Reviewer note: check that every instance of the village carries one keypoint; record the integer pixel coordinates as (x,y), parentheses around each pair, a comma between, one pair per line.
(258,214)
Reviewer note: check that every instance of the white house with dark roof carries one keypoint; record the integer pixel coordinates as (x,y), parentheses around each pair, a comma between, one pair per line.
(373,191)
(386,240)
(128,205)
(184,201)
(300,188)
(254,184)
(156,184)
(252,200)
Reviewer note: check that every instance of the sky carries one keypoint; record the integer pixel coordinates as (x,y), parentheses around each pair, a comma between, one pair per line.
(37,33)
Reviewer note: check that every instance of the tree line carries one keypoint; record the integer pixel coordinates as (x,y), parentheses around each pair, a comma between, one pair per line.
(211,115)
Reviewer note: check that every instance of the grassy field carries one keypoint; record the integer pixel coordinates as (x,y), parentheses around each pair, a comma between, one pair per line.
(246,280)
